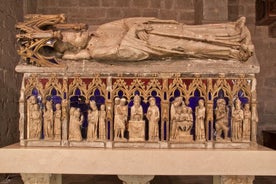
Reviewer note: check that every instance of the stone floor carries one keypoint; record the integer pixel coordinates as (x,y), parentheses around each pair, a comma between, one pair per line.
(102,179)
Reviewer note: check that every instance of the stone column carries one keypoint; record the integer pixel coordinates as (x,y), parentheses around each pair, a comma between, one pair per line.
(22,116)
(233,179)
(41,178)
(135,179)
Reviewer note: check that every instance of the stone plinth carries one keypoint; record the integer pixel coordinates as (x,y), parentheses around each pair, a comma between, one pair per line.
(254,161)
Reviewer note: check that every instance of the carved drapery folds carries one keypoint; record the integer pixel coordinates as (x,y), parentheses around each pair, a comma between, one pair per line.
(46,40)
(176,109)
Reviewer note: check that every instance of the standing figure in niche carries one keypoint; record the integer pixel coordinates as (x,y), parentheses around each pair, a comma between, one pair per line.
(237,118)
(64,118)
(93,119)
(57,122)
(30,109)
(200,117)
(136,111)
(190,115)
(175,105)
(30,106)
(121,112)
(116,116)
(102,120)
(48,120)
(76,120)
(221,113)
(246,122)
(153,115)
(35,122)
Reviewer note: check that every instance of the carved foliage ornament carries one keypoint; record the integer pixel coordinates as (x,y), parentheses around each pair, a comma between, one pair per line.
(208,90)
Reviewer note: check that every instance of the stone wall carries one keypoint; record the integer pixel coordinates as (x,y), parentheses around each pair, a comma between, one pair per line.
(95,12)
(10,12)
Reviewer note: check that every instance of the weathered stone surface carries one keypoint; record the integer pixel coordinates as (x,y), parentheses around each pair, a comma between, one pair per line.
(161,67)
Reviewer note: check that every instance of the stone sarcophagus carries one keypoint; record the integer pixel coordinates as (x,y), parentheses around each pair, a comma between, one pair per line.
(160,84)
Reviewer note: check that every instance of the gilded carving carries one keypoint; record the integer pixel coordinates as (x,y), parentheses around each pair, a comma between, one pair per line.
(176,109)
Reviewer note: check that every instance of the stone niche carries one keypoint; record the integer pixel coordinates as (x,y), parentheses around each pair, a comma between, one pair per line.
(156,103)
(77,85)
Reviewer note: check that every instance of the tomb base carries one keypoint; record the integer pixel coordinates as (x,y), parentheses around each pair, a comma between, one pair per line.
(94,144)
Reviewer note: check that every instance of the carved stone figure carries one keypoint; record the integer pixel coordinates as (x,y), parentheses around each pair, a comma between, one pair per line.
(93,120)
(76,120)
(153,116)
(184,122)
(32,126)
(237,179)
(48,117)
(102,120)
(64,118)
(41,178)
(57,122)
(237,118)
(246,123)
(136,111)
(134,39)
(199,122)
(35,122)
(120,118)
(175,104)
(136,124)
(221,124)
